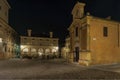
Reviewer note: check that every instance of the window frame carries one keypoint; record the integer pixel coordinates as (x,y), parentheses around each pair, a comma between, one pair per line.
(105,31)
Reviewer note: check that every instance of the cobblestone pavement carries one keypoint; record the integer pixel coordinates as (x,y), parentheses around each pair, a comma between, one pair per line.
(23,69)
(108,67)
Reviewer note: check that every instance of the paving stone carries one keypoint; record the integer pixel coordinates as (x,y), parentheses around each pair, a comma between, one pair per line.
(56,69)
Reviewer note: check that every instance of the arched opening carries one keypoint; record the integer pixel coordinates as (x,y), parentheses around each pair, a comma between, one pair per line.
(40,51)
(54,50)
(33,51)
(76,53)
(25,51)
(47,51)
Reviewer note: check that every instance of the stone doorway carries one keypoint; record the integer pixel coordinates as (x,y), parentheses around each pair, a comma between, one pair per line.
(76,54)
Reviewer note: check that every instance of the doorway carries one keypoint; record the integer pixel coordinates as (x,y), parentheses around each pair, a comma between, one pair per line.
(76,54)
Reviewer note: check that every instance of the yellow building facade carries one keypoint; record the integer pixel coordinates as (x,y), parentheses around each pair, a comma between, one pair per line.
(93,40)
(66,49)
(39,46)
(8,36)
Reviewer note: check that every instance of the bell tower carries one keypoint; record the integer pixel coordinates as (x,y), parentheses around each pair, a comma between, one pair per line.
(78,10)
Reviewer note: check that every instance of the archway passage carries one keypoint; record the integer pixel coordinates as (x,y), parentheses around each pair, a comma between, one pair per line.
(40,52)
(47,51)
(54,50)
(33,51)
(76,57)
(25,51)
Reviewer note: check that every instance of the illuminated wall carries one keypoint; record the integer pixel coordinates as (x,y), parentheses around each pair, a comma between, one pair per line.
(66,49)
(93,40)
(4,10)
(9,39)
(39,45)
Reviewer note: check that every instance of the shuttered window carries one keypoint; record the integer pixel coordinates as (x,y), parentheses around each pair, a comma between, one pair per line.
(105,31)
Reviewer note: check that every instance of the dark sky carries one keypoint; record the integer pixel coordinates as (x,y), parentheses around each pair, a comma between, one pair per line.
(43,16)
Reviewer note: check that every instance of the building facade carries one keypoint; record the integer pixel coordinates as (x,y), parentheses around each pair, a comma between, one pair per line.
(39,46)
(93,40)
(66,49)
(9,39)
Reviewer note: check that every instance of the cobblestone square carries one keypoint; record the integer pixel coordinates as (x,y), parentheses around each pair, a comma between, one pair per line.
(24,69)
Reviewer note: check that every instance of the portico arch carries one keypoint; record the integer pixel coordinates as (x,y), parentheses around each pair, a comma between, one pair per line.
(33,51)
(25,51)
(76,52)
(54,50)
(47,51)
(40,51)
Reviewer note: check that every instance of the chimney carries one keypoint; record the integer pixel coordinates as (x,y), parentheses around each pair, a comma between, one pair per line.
(51,34)
(29,32)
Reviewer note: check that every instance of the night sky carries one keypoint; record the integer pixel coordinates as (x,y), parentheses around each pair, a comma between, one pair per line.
(43,16)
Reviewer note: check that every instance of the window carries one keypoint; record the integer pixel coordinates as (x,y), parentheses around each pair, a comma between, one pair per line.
(105,31)
(76,32)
